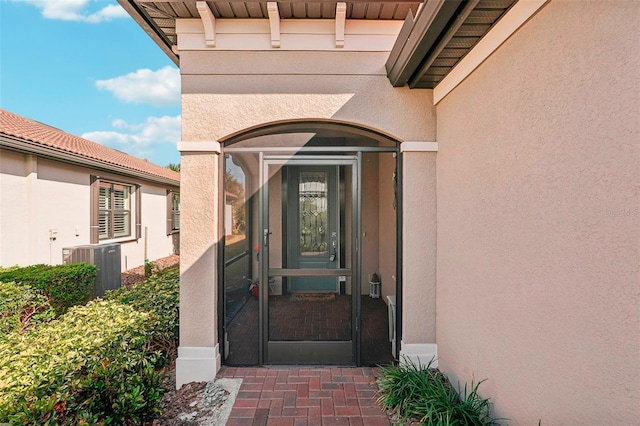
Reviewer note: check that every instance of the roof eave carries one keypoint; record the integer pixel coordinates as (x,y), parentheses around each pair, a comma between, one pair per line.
(417,39)
(156,35)
(24,146)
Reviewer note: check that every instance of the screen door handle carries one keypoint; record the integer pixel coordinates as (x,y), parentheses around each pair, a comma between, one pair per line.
(265,237)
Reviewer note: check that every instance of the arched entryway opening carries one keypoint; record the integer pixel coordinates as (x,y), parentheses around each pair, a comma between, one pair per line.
(309,270)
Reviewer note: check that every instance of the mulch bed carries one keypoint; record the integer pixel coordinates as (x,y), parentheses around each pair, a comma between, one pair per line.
(136,275)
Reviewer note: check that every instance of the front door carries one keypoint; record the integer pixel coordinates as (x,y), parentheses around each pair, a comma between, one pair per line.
(309,258)
(313,226)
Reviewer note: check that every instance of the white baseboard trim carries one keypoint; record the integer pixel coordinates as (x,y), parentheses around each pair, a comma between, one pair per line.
(197,364)
(419,353)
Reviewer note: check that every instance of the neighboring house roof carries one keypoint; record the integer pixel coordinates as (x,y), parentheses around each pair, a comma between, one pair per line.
(231,198)
(25,135)
(158,18)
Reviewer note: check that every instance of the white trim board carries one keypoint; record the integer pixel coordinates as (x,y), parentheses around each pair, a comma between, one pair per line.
(294,34)
(197,364)
(199,146)
(520,13)
(419,353)
(415,146)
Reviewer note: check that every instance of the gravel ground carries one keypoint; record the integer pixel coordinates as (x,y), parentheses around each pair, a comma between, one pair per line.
(199,404)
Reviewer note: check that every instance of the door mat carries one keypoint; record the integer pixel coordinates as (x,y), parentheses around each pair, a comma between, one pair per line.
(312,297)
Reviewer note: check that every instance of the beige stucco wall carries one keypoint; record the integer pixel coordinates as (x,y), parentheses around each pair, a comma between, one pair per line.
(199,234)
(419,248)
(15,187)
(539,220)
(226,92)
(38,195)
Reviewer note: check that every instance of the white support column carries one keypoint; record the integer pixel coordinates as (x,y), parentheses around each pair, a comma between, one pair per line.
(274,23)
(209,23)
(341,15)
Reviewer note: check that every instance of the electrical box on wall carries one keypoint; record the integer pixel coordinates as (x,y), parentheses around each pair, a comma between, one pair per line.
(106,257)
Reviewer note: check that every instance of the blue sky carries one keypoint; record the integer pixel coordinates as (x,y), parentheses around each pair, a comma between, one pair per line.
(84,66)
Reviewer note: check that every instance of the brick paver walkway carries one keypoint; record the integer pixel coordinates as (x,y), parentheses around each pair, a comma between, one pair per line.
(305,396)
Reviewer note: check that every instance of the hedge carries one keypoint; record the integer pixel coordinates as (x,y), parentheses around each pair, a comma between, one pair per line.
(157,295)
(96,364)
(21,308)
(64,285)
(91,365)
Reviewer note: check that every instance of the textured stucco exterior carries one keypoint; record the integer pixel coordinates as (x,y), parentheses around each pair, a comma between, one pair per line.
(224,93)
(520,236)
(345,86)
(38,195)
(201,230)
(539,220)
(419,248)
(198,253)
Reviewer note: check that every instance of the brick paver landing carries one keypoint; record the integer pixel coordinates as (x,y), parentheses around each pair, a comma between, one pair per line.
(305,396)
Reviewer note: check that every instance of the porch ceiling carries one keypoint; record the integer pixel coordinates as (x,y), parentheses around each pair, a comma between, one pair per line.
(158,18)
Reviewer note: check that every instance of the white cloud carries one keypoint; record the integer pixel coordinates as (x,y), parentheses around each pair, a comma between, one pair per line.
(158,88)
(139,140)
(75,10)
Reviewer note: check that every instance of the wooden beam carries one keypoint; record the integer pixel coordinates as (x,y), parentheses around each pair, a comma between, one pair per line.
(341,15)
(284,1)
(209,22)
(274,23)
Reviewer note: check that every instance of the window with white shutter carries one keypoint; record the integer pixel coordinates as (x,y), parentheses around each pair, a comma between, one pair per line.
(173,212)
(114,210)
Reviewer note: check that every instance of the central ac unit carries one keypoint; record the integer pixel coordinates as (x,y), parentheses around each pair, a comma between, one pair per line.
(106,257)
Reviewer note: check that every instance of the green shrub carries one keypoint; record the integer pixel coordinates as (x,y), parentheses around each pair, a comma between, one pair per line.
(149,269)
(64,285)
(91,365)
(159,297)
(21,308)
(424,394)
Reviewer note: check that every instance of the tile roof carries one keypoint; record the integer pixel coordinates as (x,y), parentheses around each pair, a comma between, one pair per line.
(46,136)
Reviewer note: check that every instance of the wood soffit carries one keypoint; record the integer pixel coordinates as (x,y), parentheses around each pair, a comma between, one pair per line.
(427,48)
(158,18)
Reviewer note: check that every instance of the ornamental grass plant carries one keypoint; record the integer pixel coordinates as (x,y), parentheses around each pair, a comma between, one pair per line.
(423,395)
